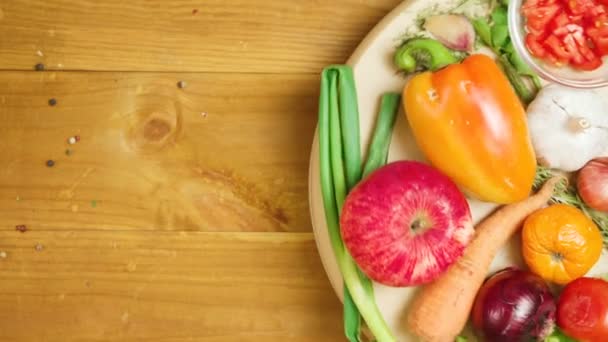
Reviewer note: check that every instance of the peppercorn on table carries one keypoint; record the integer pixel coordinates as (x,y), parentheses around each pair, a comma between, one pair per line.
(153,168)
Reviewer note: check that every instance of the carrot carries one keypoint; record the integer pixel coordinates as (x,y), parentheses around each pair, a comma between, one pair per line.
(441,310)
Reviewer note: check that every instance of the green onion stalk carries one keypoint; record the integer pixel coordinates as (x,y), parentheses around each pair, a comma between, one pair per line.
(341,170)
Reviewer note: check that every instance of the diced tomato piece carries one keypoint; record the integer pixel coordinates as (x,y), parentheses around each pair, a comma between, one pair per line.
(541,13)
(601,46)
(599,37)
(597,31)
(540,19)
(580,6)
(585,49)
(536,49)
(552,59)
(555,46)
(530,4)
(561,19)
(576,19)
(572,49)
(537,28)
(588,65)
(597,10)
(569,29)
(599,21)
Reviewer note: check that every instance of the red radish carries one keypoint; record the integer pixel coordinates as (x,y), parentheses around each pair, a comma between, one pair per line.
(405,224)
(593,184)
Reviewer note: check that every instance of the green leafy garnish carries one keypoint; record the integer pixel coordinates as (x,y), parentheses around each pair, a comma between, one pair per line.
(493,32)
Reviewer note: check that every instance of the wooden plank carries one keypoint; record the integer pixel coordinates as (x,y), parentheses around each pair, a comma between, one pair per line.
(184,35)
(229,152)
(164,286)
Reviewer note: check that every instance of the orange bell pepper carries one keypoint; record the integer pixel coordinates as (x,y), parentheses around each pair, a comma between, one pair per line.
(469,123)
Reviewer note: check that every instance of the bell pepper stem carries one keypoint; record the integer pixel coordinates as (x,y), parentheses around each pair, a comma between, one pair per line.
(423,54)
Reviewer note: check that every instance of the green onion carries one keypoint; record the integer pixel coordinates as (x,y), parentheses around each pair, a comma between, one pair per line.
(349,119)
(378,149)
(352,318)
(335,139)
(338,81)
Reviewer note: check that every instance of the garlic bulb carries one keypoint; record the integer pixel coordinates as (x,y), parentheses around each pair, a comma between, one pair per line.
(568,127)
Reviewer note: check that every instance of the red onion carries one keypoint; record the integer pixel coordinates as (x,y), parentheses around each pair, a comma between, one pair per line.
(453,30)
(593,184)
(514,305)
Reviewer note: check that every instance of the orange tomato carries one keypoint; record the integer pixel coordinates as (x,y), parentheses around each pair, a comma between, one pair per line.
(560,243)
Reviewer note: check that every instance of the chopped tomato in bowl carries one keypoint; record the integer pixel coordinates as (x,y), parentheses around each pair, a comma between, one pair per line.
(563,41)
(567,32)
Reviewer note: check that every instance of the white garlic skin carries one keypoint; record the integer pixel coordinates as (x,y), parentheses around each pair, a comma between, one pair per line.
(568,126)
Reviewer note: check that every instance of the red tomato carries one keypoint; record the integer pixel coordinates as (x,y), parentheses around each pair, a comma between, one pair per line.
(557,48)
(580,6)
(540,17)
(597,10)
(589,65)
(542,13)
(573,32)
(599,21)
(562,19)
(599,37)
(582,310)
(536,48)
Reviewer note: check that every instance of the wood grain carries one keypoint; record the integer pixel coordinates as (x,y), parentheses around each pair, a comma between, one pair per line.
(229,152)
(182,213)
(164,286)
(184,35)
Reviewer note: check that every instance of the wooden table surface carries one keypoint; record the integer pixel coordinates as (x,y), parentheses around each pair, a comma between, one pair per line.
(181,214)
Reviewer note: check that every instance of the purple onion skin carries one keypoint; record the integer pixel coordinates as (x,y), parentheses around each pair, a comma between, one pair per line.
(512,306)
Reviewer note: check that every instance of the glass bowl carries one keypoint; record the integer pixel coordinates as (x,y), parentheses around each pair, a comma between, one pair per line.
(563,75)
